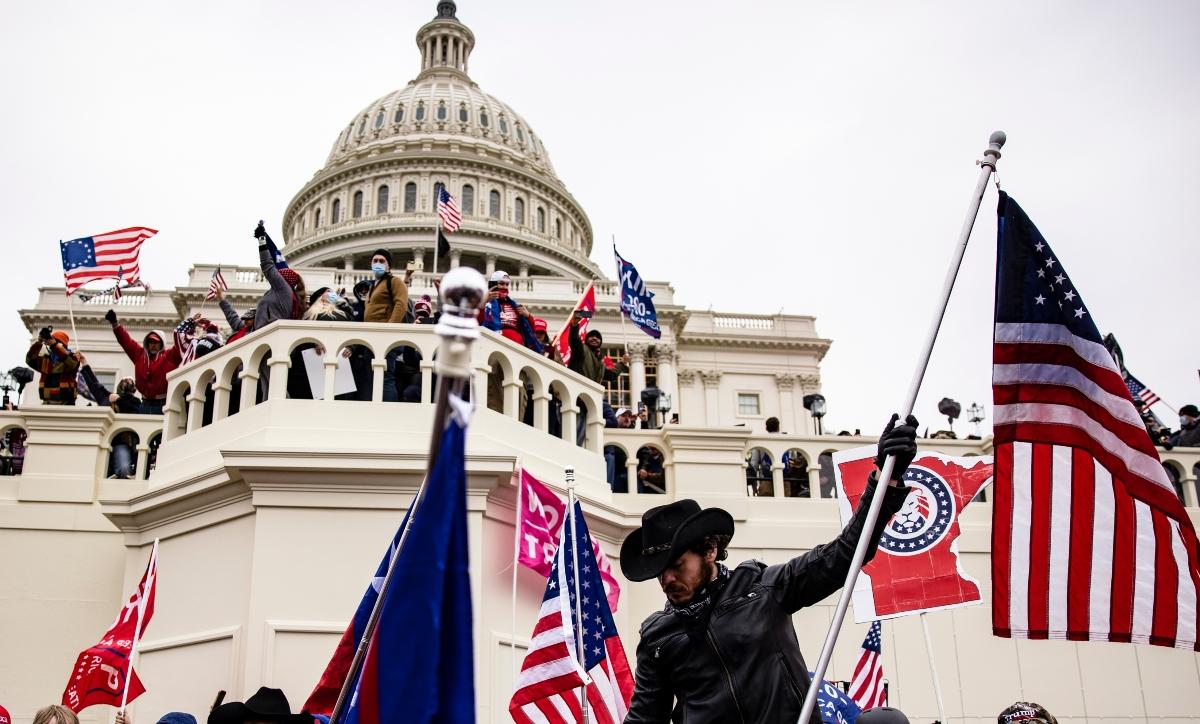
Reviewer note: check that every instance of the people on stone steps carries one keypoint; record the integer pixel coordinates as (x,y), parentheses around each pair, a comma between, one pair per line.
(56,366)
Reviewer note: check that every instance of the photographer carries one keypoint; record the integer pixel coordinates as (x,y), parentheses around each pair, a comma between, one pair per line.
(56,366)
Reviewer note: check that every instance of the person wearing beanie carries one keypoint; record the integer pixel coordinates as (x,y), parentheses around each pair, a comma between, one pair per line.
(1023,711)
(56,366)
(386,301)
(423,310)
(176,717)
(587,355)
(1188,434)
(882,715)
(285,296)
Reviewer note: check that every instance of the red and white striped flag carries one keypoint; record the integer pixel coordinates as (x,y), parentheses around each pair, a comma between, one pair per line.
(551,678)
(216,284)
(868,688)
(1089,539)
(587,303)
(105,256)
(447,210)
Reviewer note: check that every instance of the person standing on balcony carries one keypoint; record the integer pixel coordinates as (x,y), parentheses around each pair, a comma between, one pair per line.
(501,313)
(387,301)
(724,647)
(589,360)
(152,361)
(56,366)
(285,295)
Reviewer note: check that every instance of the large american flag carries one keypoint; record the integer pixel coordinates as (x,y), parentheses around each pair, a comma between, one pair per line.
(1089,540)
(447,210)
(549,684)
(216,284)
(868,688)
(1140,391)
(104,256)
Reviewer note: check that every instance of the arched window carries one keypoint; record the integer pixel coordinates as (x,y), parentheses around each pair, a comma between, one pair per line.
(494,204)
(520,134)
(541,220)
(335,212)
(317,219)
(463,114)
(519,211)
(558,228)
(410,197)
(362,125)
(379,119)
(356,209)
(420,111)
(381,200)
(441,110)
(503,126)
(483,117)
(437,194)
(468,200)
(398,116)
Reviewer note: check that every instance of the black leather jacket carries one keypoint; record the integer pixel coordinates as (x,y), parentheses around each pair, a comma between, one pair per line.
(744,663)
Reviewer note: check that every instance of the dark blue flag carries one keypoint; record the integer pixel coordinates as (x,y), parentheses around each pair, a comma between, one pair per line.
(834,705)
(637,301)
(419,666)
(280,262)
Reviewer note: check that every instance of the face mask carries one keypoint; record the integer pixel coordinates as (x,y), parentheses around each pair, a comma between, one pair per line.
(378,269)
(1184,420)
(332,297)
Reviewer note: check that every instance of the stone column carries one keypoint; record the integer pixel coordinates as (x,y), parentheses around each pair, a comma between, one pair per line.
(808,384)
(221,400)
(418,255)
(513,389)
(814,479)
(777,480)
(687,404)
(569,418)
(378,367)
(1189,490)
(712,397)
(787,407)
(490,265)
(455,258)
(637,372)
(348,262)
(195,415)
(143,460)
(523,269)
(665,355)
(249,379)
(541,402)
(277,388)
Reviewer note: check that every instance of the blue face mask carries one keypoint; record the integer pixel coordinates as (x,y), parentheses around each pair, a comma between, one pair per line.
(332,297)
(378,269)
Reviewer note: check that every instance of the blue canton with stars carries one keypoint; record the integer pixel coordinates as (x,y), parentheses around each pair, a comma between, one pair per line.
(77,253)
(925,518)
(1031,284)
(872,642)
(598,623)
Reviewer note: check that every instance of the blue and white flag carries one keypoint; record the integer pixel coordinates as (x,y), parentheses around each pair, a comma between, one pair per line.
(834,705)
(637,301)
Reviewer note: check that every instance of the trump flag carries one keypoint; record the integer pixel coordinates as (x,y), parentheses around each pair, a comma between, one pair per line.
(917,567)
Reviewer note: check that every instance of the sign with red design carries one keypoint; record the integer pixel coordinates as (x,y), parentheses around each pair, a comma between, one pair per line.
(917,567)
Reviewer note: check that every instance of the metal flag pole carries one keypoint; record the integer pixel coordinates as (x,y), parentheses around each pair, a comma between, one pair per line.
(437,237)
(621,304)
(137,628)
(462,292)
(987,168)
(937,685)
(583,703)
(516,561)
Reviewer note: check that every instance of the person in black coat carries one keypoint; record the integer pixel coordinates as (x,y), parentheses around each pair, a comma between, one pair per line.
(724,649)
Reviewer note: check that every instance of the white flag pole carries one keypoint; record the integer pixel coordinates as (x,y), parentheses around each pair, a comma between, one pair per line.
(937,685)
(151,574)
(516,562)
(988,167)
(583,703)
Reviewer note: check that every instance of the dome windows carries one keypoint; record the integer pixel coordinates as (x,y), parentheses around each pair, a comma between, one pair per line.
(464,115)
(317,219)
(494,204)
(398,116)
(541,220)
(520,134)
(362,125)
(420,114)
(381,200)
(357,208)
(379,119)
(519,211)
(437,194)
(483,117)
(335,211)
(468,200)
(441,111)
(558,228)
(503,126)
(410,197)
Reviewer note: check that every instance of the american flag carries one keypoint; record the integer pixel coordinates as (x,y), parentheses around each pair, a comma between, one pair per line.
(868,688)
(448,211)
(216,284)
(1140,391)
(1089,540)
(551,677)
(105,256)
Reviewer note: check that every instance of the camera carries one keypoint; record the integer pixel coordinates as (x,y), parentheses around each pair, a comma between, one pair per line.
(583,313)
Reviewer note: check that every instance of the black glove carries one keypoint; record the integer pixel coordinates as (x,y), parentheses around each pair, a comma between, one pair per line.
(111,316)
(260,232)
(45,333)
(900,442)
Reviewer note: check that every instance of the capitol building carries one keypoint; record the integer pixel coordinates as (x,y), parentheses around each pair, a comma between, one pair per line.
(273,512)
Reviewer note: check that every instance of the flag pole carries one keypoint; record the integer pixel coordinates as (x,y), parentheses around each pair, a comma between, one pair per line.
(583,703)
(515,563)
(937,685)
(621,306)
(461,295)
(137,628)
(437,237)
(71,316)
(987,168)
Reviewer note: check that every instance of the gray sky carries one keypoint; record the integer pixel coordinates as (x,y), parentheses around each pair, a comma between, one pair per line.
(810,157)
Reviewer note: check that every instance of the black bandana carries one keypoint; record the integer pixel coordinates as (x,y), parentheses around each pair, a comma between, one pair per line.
(702,601)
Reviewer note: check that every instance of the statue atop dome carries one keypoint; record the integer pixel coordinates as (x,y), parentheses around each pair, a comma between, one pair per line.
(446,10)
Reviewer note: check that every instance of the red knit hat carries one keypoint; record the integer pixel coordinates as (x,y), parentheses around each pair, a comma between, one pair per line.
(291,277)
(61,336)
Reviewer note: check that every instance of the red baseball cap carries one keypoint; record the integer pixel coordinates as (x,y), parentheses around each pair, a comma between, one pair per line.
(539,324)
(4,717)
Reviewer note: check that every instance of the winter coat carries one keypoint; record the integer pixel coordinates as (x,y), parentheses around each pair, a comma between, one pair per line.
(588,363)
(1186,437)
(56,373)
(231,316)
(491,320)
(150,374)
(387,301)
(279,301)
(127,403)
(743,663)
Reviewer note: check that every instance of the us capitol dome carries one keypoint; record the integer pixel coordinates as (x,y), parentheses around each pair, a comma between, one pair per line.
(380,183)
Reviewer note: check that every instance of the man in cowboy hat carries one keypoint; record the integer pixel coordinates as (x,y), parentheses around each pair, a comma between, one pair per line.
(723,649)
(267,705)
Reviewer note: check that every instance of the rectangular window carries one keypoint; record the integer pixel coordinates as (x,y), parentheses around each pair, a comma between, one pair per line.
(748,404)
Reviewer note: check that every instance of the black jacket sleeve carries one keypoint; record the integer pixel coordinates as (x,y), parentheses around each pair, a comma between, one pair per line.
(652,698)
(812,577)
(99,391)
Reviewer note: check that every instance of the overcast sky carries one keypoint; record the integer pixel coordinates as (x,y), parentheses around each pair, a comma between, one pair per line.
(814,158)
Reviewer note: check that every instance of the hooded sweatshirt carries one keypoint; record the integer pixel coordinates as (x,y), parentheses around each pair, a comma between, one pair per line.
(150,373)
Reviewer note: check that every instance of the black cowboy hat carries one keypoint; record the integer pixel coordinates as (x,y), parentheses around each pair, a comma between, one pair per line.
(666,532)
(266,705)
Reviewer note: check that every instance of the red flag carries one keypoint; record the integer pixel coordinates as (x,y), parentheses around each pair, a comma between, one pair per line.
(100,672)
(917,567)
(586,303)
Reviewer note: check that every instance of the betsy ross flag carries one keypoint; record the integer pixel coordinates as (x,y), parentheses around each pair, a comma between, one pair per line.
(104,256)
(1089,540)
(447,211)
(1140,391)
(216,284)
(586,303)
(867,688)
(419,665)
(100,672)
(551,678)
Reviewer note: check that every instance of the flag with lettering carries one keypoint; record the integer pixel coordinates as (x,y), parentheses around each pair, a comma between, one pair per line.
(540,520)
(637,301)
(917,567)
(835,705)
(104,256)
(587,303)
(100,671)
(1089,539)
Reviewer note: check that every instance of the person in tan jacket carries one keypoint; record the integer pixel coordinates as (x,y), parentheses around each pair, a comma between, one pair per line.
(387,301)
